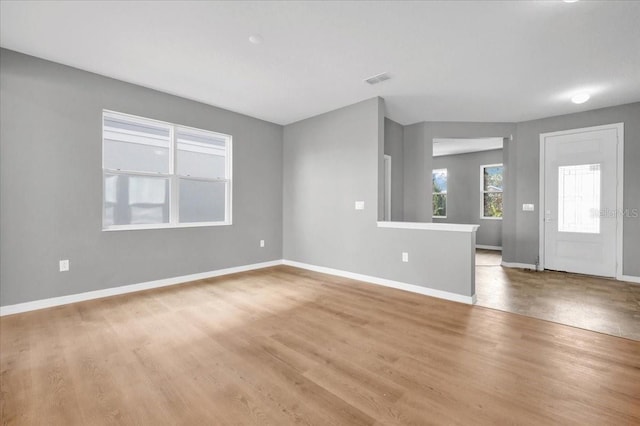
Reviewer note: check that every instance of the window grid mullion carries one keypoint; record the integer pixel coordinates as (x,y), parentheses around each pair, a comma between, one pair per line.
(174,212)
(134,173)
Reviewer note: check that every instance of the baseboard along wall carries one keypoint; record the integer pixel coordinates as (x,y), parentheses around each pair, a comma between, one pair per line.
(132,288)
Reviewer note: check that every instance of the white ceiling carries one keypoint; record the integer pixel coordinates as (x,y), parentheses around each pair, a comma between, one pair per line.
(449,61)
(451,146)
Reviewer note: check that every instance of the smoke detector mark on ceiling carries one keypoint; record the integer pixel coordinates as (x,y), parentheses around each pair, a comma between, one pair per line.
(378,78)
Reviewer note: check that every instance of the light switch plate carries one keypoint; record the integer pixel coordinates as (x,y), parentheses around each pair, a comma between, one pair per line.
(405,256)
(359,205)
(64,265)
(261,243)
(528,207)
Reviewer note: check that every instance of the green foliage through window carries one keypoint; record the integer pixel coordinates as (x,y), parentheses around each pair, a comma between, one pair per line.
(492,188)
(439,190)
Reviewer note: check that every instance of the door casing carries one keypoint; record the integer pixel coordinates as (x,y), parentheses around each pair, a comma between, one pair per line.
(387,187)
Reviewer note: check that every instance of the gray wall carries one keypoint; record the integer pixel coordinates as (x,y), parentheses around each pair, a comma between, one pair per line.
(520,236)
(417,170)
(332,160)
(418,159)
(51,189)
(463,193)
(51,186)
(394,146)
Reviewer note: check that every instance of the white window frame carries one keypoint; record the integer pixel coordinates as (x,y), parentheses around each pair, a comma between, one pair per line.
(173,176)
(446,194)
(482,191)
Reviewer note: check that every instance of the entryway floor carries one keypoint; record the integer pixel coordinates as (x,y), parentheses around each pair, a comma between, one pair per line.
(597,304)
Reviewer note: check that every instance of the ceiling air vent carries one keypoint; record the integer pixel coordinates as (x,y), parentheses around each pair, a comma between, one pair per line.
(379,78)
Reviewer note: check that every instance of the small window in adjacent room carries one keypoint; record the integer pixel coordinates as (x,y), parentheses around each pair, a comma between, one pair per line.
(161,175)
(491,178)
(439,184)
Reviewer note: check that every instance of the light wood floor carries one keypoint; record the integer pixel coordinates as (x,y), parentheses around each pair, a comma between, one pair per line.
(597,304)
(284,346)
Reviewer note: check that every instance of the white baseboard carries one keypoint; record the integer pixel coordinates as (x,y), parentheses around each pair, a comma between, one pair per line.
(470,300)
(482,246)
(629,278)
(113,291)
(519,265)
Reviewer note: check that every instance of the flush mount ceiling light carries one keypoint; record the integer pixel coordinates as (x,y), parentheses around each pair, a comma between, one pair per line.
(570,1)
(256,38)
(580,98)
(378,78)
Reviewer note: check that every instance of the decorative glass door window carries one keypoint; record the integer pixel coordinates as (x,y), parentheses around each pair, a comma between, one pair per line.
(579,198)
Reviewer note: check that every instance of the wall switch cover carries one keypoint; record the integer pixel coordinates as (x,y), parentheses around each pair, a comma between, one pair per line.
(528,207)
(359,205)
(261,243)
(405,256)
(64,265)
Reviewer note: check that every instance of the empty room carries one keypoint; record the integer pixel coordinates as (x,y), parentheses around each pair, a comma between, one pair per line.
(319,212)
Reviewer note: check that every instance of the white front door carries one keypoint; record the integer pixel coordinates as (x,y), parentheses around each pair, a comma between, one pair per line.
(580,201)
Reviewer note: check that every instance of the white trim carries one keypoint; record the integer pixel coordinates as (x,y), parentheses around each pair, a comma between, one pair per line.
(440,294)
(132,288)
(174,186)
(113,228)
(620,201)
(629,278)
(387,187)
(482,246)
(113,291)
(619,127)
(518,265)
(541,191)
(430,226)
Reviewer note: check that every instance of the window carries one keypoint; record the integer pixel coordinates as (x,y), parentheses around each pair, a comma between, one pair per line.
(161,175)
(439,182)
(579,198)
(491,177)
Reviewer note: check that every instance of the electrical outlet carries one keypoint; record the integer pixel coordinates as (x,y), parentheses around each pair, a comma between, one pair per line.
(359,205)
(405,256)
(528,207)
(64,265)
(261,243)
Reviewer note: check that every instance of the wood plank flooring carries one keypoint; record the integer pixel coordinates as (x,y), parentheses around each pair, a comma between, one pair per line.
(285,346)
(597,304)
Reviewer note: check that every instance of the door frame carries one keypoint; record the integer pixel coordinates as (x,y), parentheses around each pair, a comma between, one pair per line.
(387,189)
(619,127)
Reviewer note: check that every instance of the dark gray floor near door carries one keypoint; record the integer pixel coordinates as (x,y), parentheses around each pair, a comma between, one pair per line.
(597,304)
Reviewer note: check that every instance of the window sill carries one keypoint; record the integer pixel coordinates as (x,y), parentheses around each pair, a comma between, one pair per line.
(164,226)
(491,218)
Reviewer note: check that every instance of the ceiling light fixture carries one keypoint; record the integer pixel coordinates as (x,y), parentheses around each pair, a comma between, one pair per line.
(580,98)
(256,38)
(378,78)
(570,1)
